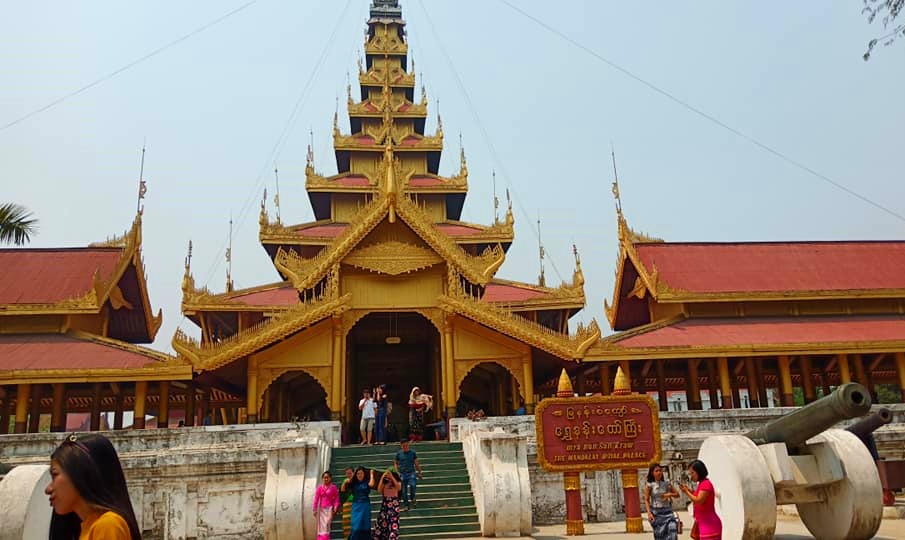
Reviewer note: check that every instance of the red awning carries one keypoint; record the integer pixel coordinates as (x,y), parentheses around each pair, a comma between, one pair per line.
(46,276)
(776,266)
(58,351)
(763,331)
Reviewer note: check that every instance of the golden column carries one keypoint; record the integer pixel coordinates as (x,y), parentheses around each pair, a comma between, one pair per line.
(785,381)
(725,383)
(336,380)
(163,405)
(251,397)
(694,388)
(753,391)
(807,382)
(22,394)
(571,480)
(138,415)
(528,374)
(449,366)
(58,409)
(630,494)
(845,373)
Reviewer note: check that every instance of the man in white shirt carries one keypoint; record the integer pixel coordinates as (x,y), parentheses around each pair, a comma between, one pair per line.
(368,416)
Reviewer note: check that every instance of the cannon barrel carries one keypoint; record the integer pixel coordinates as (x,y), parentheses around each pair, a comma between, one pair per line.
(864,429)
(849,400)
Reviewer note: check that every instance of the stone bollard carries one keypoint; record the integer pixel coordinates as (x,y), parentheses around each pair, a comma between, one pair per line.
(26,512)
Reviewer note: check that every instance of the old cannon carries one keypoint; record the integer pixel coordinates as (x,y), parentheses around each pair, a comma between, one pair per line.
(796,459)
(892,471)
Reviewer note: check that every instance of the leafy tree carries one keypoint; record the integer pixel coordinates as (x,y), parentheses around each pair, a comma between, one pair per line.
(16,224)
(887,11)
(888,393)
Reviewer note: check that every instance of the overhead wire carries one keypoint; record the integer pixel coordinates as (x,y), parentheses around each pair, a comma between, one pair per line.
(705,115)
(490,146)
(126,67)
(280,142)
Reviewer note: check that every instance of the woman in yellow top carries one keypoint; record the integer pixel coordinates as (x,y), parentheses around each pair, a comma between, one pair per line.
(88,492)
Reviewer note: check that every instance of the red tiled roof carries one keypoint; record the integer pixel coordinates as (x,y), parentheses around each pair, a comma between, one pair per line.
(58,351)
(771,331)
(404,107)
(454,229)
(45,276)
(424,181)
(777,267)
(354,180)
(410,141)
(504,292)
(284,295)
(328,229)
(365,139)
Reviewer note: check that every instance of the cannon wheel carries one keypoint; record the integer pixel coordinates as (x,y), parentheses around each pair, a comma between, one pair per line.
(853,507)
(745,498)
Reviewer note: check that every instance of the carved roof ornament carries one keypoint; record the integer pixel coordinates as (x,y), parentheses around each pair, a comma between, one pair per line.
(564,387)
(621,385)
(510,218)
(392,258)
(578,275)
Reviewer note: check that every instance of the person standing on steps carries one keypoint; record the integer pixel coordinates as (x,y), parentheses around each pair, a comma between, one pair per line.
(381,423)
(409,468)
(419,403)
(368,415)
(388,519)
(345,493)
(362,484)
(326,504)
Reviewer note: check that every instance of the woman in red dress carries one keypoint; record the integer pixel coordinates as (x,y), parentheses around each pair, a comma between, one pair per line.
(419,403)
(707,525)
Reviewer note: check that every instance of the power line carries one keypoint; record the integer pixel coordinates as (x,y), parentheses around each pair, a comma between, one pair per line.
(705,115)
(283,137)
(484,132)
(131,64)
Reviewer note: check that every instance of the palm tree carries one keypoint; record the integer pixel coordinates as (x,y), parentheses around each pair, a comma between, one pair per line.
(16,224)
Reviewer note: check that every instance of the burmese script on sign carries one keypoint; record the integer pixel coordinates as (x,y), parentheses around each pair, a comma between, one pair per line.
(609,432)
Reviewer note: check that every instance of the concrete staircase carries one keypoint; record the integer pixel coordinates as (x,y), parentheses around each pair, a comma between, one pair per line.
(446,507)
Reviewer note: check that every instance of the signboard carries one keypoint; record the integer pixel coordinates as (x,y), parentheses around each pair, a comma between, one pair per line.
(597,433)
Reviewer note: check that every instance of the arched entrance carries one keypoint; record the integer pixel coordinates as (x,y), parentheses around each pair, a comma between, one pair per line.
(400,350)
(294,395)
(491,388)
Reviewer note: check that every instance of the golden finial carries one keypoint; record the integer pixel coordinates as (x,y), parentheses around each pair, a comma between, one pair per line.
(564,388)
(187,281)
(510,218)
(276,196)
(423,95)
(578,275)
(390,180)
(262,219)
(348,91)
(360,67)
(621,386)
(463,163)
(229,258)
(336,122)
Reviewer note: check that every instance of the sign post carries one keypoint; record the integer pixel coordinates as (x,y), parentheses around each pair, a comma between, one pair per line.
(583,434)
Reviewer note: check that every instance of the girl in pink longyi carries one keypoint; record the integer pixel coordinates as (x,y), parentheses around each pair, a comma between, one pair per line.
(326,503)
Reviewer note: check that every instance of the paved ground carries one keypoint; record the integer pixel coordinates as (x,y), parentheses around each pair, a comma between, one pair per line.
(786,529)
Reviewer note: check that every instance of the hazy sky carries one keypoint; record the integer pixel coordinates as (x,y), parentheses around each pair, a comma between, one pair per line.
(213,107)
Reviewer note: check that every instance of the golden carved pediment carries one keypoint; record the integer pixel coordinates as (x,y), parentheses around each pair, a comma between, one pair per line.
(393,258)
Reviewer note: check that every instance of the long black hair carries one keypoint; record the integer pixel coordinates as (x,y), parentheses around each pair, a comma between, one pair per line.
(650,472)
(701,469)
(93,467)
(355,481)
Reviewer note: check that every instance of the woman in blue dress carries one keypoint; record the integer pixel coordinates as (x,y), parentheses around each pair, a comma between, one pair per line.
(362,484)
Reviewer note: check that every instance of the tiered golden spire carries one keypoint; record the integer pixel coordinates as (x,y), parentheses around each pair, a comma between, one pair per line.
(564,388)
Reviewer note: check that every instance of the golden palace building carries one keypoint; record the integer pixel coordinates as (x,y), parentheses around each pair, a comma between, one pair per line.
(388,285)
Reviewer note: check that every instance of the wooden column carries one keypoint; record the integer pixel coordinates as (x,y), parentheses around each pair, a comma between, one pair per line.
(251,391)
(266,408)
(118,399)
(807,382)
(900,372)
(449,368)
(693,385)
(761,382)
(191,408)
(528,371)
(845,373)
(96,396)
(5,413)
(579,384)
(58,409)
(725,383)
(753,384)
(734,367)
(336,370)
(662,396)
(163,406)
(22,395)
(606,388)
(785,381)
(856,362)
(712,383)
(34,417)
(138,409)
(206,406)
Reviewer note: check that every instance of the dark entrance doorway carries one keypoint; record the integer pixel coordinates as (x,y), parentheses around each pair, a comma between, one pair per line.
(400,350)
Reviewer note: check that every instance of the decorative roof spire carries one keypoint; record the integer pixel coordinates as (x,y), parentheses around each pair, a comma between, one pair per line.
(496,200)
(389,161)
(276,196)
(541,280)
(386,9)
(229,259)
(578,275)
(564,388)
(142,185)
(510,219)
(621,386)
(188,283)
(263,219)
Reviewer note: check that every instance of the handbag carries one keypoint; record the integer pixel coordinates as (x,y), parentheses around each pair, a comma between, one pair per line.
(695,533)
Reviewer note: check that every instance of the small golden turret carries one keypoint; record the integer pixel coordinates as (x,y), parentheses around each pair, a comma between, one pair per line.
(578,275)
(621,386)
(564,388)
